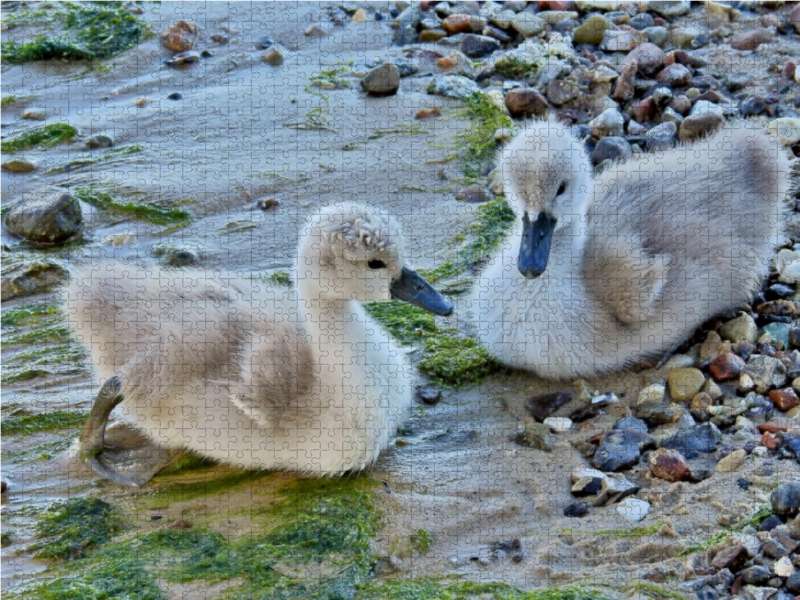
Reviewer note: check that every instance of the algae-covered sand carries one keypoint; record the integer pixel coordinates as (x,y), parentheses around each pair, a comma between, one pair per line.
(455,509)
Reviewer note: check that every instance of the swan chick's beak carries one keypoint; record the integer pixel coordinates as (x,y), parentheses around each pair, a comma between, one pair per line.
(535,247)
(411,287)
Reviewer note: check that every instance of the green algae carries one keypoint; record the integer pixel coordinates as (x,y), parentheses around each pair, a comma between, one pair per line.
(27,314)
(403,321)
(632,532)
(280,278)
(87,31)
(478,143)
(330,79)
(515,67)
(456,361)
(89,160)
(655,591)
(428,588)
(753,520)
(317,118)
(54,419)
(489,225)
(7,101)
(46,136)
(144,211)
(422,540)
(71,528)
(44,451)
(187,462)
(53,332)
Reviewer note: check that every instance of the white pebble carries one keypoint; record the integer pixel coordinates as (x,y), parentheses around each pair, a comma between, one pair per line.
(784,567)
(558,424)
(633,509)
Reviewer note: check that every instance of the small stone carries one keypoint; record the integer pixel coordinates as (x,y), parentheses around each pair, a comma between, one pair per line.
(703,438)
(18,165)
(542,406)
(740,329)
(608,123)
(577,510)
(432,35)
(662,137)
(478,46)
(785,399)
(591,31)
(536,435)
(316,30)
(670,8)
(685,383)
(587,486)
(98,141)
(551,17)
(786,129)
(785,499)
(461,23)
(726,367)
(619,449)
(28,278)
(750,40)
(180,37)
(429,394)
(34,114)
(669,465)
(783,567)
(359,16)
(641,21)
(274,55)
(624,89)
(675,75)
(731,462)
(657,35)
(382,81)
(752,106)
(184,58)
(652,393)
(656,413)
(527,24)
(526,102)
(611,148)
(643,110)
(179,524)
(452,86)
(558,424)
(621,40)
(732,558)
(697,126)
(473,194)
(755,575)
(175,96)
(219,38)
(561,91)
(633,509)
(766,372)
(51,216)
(793,580)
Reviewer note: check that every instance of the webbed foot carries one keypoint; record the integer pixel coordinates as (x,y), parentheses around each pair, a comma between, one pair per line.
(91,444)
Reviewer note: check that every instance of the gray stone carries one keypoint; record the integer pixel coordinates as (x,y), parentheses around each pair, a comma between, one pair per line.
(98,141)
(51,216)
(656,413)
(785,499)
(649,58)
(675,75)
(620,449)
(657,35)
(618,40)
(382,81)
(662,137)
(18,165)
(669,8)
(24,278)
(641,21)
(561,91)
(535,435)
(452,86)
(766,372)
(740,329)
(608,123)
(528,24)
(703,438)
(478,46)
(611,148)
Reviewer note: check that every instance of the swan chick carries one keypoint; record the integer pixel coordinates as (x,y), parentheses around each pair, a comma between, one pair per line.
(253,375)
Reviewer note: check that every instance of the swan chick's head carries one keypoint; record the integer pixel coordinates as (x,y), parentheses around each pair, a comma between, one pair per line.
(356,252)
(548,178)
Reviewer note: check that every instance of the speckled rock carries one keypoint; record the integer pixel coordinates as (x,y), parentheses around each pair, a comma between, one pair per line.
(740,329)
(452,86)
(652,393)
(536,435)
(620,40)
(51,216)
(526,102)
(22,278)
(766,372)
(620,449)
(685,383)
(608,123)
(726,367)
(561,91)
(662,137)
(703,438)
(656,413)
(669,465)
(180,37)
(18,165)
(382,81)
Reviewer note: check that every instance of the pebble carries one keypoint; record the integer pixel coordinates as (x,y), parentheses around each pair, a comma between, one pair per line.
(34,114)
(98,141)
(741,329)
(561,91)
(551,17)
(429,394)
(184,58)
(732,558)
(50,216)
(577,510)
(452,86)
(542,406)
(652,393)
(785,499)
(656,413)
(28,278)
(675,75)
(619,449)
(685,383)
(657,35)
(473,194)
(316,30)
(662,137)
(526,102)
(669,465)
(274,55)
(786,129)
(180,37)
(648,57)
(461,23)
(175,96)
(752,106)
(359,16)
(382,81)
(611,148)
(784,567)
(432,35)
(621,40)
(633,509)
(478,46)
(558,424)
(527,24)
(785,399)
(608,123)
(793,583)
(591,31)
(625,89)
(731,462)
(766,372)
(670,8)
(535,435)
(698,126)
(641,21)
(18,165)
(587,486)
(726,367)
(750,40)
(702,438)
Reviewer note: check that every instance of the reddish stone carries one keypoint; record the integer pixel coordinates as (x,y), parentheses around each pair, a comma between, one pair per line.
(790,68)
(659,21)
(675,75)
(750,40)
(180,37)
(709,95)
(772,427)
(649,58)
(669,465)
(726,367)
(526,102)
(732,558)
(769,440)
(556,5)
(677,56)
(458,23)
(785,399)
(644,110)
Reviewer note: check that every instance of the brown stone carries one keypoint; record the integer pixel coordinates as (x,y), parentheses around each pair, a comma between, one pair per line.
(750,40)
(675,75)
(726,367)
(669,465)
(732,558)
(624,89)
(772,427)
(649,58)
(179,524)
(644,110)
(697,126)
(459,23)
(677,56)
(526,102)
(785,399)
(180,37)
(790,68)
(769,440)
(541,407)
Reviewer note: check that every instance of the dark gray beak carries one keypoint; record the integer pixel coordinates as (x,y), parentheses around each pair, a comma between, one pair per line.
(535,247)
(412,288)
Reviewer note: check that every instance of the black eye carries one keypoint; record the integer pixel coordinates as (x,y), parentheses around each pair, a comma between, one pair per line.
(376,264)
(562,188)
